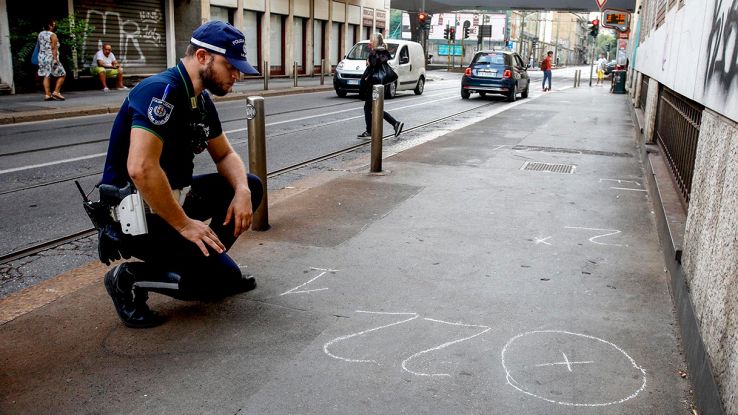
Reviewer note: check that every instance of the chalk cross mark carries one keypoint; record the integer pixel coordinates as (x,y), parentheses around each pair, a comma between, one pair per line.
(566,363)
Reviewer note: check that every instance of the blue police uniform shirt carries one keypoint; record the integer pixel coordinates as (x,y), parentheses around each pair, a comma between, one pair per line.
(165,105)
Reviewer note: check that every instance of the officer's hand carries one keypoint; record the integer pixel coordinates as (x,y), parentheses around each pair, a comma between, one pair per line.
(240,212)
(201,235)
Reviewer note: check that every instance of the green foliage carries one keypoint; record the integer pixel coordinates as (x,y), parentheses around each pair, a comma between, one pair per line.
(603,40)
(22,42)
(395,24)
(72,32)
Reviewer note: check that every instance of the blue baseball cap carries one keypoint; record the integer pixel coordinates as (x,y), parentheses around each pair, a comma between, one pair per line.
(222,38)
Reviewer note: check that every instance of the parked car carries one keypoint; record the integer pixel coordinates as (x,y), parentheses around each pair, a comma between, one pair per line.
(496,72)
(406,59)
(611,66)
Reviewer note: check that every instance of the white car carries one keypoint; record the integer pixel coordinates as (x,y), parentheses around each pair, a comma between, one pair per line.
(407,59)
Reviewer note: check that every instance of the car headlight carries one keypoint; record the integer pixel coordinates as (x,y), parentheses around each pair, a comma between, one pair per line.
(340,65)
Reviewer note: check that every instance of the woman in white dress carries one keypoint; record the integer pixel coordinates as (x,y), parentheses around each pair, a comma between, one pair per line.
(48,62)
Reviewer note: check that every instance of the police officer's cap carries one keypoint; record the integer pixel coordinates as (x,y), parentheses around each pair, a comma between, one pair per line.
(222,38)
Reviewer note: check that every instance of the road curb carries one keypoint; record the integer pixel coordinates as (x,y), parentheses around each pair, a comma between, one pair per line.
(58,113)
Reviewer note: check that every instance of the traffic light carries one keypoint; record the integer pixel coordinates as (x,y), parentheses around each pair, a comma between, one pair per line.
(445,33)
(452,33)
(423,20)
(466,33)
(594,28)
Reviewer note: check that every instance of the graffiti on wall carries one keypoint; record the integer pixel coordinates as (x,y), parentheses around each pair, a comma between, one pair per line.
(722,48)
(130,32)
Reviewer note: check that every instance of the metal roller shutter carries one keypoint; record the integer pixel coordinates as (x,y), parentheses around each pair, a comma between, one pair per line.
(135,29)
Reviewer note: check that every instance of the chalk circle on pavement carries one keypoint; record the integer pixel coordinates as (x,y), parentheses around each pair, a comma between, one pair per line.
(571,369)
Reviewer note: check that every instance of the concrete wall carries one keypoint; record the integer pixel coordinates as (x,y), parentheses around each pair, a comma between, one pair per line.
(710,258)
(693,52)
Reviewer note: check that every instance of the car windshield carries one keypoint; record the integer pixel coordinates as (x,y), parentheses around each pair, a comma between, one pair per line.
(489,58)
(360,51)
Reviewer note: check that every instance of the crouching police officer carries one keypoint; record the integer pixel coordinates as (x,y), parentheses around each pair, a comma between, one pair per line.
(166,120)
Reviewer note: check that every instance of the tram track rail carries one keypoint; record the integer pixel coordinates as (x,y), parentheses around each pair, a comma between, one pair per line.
(56,242)
(103,140)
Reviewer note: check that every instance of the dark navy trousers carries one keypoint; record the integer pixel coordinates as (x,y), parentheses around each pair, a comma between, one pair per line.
(178,263)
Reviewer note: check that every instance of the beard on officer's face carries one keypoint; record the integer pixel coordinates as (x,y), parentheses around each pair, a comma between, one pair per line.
(211,83)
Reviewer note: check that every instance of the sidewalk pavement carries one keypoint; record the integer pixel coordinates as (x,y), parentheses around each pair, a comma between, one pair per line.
(31,107)
(468,278)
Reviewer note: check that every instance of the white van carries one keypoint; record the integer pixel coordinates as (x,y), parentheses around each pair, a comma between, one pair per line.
(407,60)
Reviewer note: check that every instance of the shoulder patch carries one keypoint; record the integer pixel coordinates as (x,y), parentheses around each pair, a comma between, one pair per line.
(159,111)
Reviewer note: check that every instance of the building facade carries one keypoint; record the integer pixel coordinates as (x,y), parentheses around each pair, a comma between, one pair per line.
(149,35)
(684,82)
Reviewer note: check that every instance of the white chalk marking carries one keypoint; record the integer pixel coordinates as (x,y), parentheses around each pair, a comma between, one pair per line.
(628,188)
(405,362)
(542,241)
(361,333)
(592,239)
(512,382)
(565,362)
(325,269)
(620,181)
(297,290)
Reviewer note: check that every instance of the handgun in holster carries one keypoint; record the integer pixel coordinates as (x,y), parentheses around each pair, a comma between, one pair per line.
(119,211)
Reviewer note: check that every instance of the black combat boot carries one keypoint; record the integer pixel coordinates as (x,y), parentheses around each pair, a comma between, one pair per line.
(130,302)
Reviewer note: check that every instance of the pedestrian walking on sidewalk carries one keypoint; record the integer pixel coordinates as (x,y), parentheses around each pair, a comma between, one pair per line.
(378,72)
(48,62)
(546,68)
(165,121)
(601,65)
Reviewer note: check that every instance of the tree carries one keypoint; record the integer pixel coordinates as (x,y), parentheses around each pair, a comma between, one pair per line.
(73,31)
(603,40)
(395,24)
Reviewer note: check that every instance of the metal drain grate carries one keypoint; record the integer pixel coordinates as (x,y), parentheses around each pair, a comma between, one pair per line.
(548,167)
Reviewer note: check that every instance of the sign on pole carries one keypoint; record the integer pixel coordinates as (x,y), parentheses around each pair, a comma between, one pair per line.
(601,4)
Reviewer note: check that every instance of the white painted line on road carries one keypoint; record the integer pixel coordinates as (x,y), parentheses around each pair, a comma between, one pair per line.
(91,156)
(52,163)
(237,130)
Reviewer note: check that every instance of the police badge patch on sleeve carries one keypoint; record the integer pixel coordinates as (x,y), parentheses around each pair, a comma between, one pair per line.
(159,111)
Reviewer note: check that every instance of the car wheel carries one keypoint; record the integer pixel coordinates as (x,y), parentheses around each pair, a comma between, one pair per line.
(420,87)
(465,94)
(390,91)
(513,94)
(341,93)
(524,94)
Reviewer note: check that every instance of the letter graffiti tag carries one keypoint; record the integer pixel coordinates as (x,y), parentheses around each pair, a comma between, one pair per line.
(722,67)
(130,31)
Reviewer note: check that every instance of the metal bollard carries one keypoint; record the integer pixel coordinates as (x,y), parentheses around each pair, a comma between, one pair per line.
(294,72)
(575,79)
(377,124)
(257,157)
(322,71)
(266,75)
